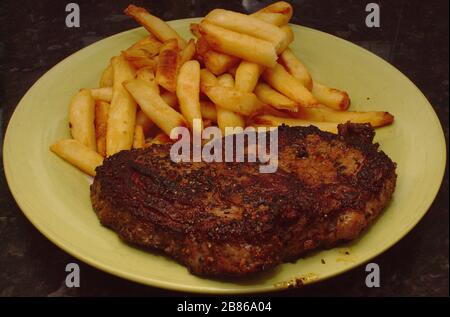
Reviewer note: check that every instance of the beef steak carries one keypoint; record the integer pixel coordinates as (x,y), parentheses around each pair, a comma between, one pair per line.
(227,219)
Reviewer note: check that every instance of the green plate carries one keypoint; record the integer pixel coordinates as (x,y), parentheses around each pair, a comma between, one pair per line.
(55,196)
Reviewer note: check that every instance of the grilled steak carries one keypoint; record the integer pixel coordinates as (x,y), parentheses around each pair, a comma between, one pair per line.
(227,219)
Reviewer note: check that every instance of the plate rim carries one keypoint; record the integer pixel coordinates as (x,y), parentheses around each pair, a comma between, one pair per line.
(106,267)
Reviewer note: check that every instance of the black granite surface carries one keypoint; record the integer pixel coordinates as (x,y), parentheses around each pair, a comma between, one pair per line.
(413,36)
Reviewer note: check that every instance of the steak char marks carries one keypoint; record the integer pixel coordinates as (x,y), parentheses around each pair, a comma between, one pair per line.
(227,219)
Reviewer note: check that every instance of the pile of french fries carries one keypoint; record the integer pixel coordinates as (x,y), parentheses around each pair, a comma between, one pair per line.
(238,71)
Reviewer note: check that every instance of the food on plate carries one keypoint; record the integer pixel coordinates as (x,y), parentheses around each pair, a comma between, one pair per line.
(101,122)
(291,87)
(240,45)
(163,115)
(81,118)
(78,155)
(154,25)
(331,97)
(230,220)
(139,137)
(273,98)
(225,117)
(103,93)
(296,68)
(168,65)
(188,92)
(226,219)
(122,112)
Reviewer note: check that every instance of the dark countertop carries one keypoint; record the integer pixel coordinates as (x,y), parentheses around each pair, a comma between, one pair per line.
(413,37)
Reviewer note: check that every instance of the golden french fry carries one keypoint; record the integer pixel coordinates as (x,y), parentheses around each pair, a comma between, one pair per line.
(245,103)
(207,79)
(273,98)
(139,58)
(78,155)
(227,118)
(289,38)
(122,112)
(144,121)
(101,123)
(103,94)
(146,73)
(164,116)
(217,63)
(247,75)
(208,110)
(106,80)
(277,19)
(323,113)
(296,68)
(188,92)
(273,121)
(289,86)
(188,52)
(149,45)
(247,47)
(331,97)
(81,118)
(246,24)
(170,98)
(194,28)
(154,25)
(139,138)
(168,65)
(281,7)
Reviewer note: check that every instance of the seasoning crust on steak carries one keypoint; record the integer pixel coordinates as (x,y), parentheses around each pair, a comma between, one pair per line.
(227,219)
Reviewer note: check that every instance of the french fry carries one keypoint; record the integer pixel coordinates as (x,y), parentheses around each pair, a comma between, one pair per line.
(164,116)
(296,68)
(208,110)
(273,121)
(78,155)
(168,65)
(154,25)
(245,103)
(246,24)
(150,45)
(188,92)
(247,47)
(289,38)
(188,52)
(144,121)
(170,98)
(106,80)
(331,97)
(217,63)
(227,118)
(281,7)
(247,75)
(122,112)
(146,73)
(103,94)
(207,79)
(289,86)
(101,123)
(273,98)
(139,58)
(277,19)
(139,138)
(81,118)
(323,113)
